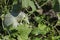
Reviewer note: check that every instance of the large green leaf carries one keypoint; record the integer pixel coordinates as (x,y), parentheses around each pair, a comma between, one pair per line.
(35,31)
(43,28)
(39,19)
(31,4)
(25,3)
(24,31)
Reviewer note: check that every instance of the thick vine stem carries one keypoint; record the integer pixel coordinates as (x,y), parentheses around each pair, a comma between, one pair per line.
(37,4)
(2,17)
(45,3)
(57,30)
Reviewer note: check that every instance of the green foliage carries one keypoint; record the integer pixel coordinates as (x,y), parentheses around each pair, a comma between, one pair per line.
(20,20)
(24,31)
(56,5)
(28,3)
(43,28)
(36,38)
